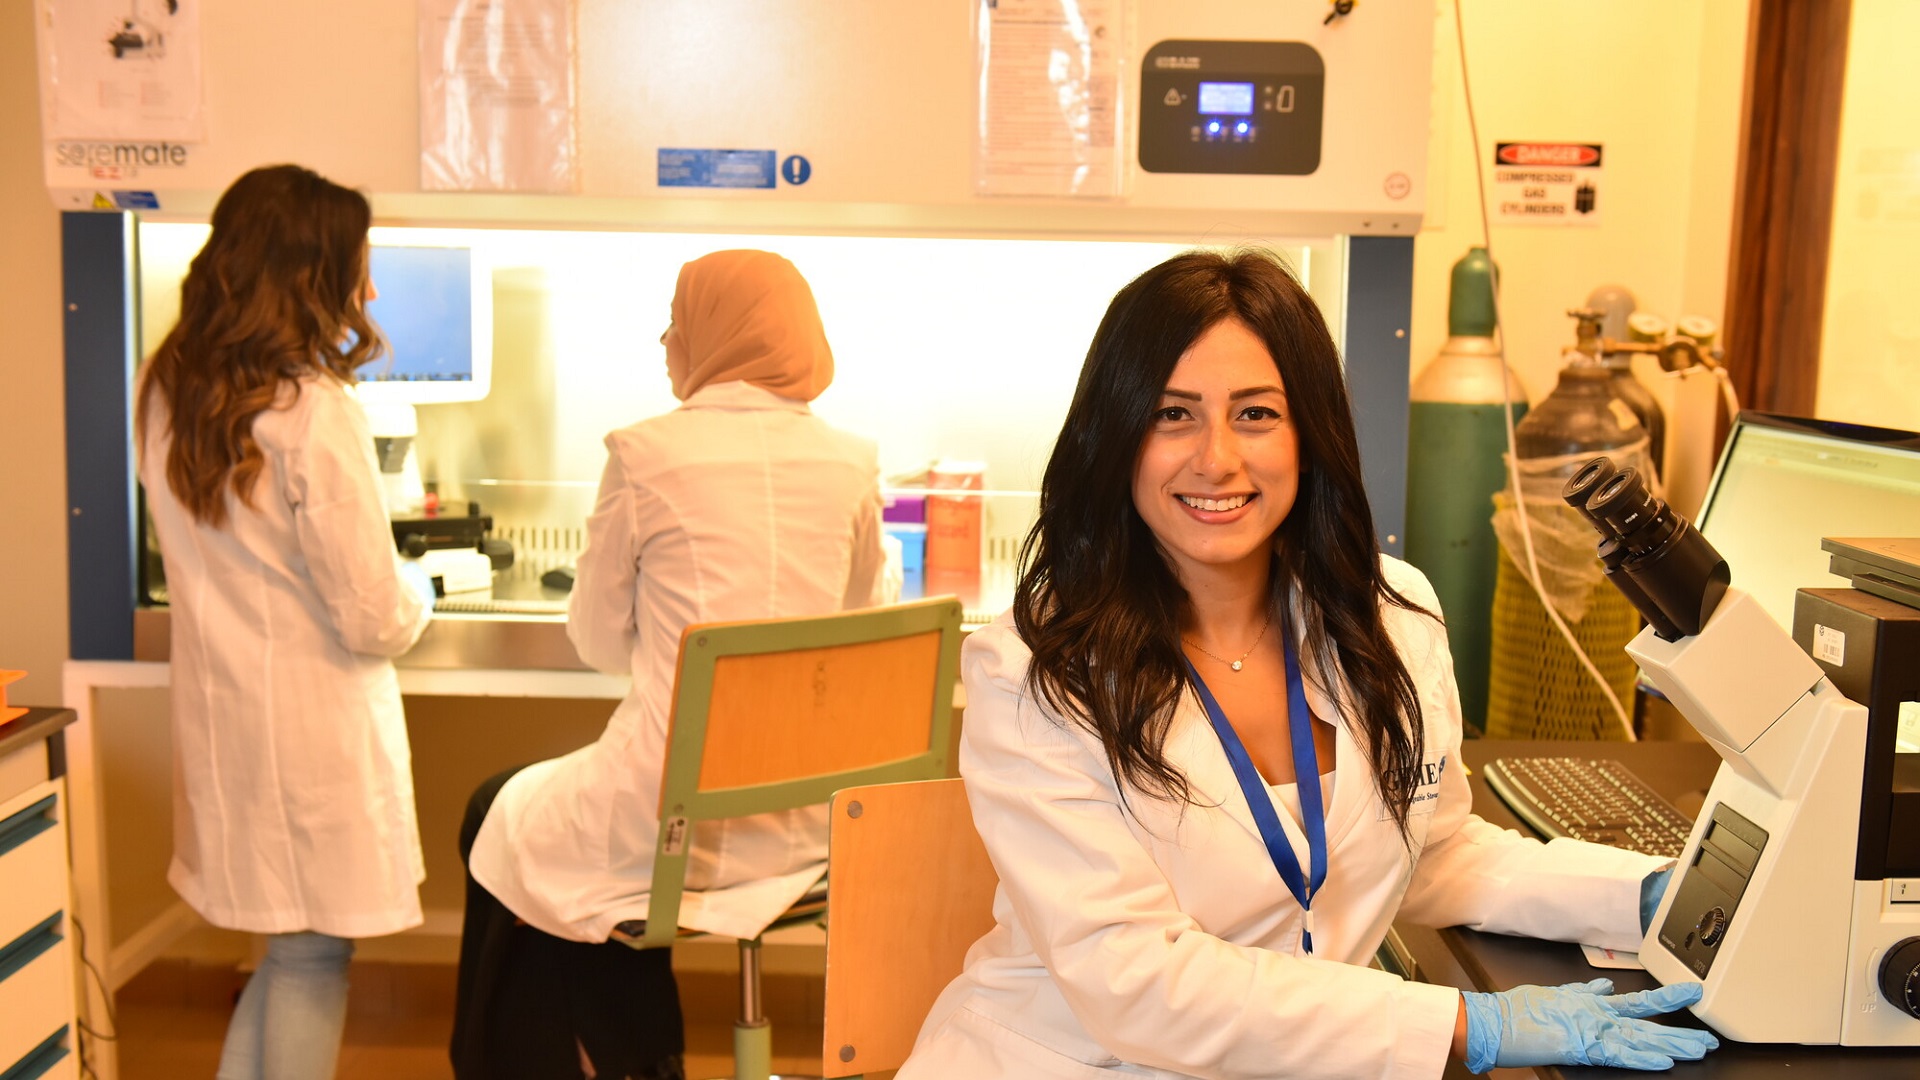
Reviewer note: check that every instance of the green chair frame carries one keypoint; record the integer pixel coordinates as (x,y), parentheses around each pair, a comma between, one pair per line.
(718,660)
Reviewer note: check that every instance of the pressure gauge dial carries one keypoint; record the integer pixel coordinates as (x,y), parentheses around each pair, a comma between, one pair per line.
(1900,976)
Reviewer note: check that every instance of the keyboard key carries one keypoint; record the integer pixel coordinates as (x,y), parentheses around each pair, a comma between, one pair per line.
(1599,801)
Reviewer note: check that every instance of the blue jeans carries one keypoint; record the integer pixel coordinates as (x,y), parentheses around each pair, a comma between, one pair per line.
(287,1025)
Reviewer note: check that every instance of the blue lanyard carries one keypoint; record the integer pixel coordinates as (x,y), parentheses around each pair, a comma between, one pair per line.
(1306,769)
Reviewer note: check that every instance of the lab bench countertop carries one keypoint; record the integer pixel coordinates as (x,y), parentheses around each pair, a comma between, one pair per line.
(35,726)
(1682,772)
(521,626)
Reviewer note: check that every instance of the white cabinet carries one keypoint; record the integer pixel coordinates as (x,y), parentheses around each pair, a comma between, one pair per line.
(38,1037)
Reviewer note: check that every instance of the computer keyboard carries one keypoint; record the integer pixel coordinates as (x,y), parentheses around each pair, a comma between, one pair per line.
(1601,801)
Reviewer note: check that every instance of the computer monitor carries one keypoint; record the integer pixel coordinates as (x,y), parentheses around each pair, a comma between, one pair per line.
(1783,484)
(436,309)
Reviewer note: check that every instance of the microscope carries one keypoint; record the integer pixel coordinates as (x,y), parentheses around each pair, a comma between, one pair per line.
(452,542)
(1797,900)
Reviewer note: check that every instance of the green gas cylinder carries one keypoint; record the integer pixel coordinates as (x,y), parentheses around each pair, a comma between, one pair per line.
(1457,434)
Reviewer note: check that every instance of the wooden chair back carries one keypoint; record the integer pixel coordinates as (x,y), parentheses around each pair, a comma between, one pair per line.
(912,891)
(778,714)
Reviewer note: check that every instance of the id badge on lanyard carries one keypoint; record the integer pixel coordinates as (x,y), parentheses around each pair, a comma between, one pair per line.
(1306,768)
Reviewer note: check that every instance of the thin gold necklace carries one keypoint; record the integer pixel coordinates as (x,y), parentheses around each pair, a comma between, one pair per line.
(1235,664)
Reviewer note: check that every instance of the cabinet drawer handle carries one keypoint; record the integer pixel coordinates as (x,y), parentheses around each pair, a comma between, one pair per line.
(40,1058)
(23,826)
(28,946)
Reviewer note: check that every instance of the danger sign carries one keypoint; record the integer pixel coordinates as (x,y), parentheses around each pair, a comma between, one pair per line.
(1542,183)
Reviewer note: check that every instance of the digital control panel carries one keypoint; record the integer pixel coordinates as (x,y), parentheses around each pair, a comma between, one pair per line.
(1231,107)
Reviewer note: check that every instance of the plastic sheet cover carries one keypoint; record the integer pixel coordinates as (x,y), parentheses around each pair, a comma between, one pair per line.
(120,69)
(497,96)
(1050,106)
(1564,544)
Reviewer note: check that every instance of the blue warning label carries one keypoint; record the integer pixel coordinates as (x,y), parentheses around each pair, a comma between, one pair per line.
(136,200)
(716,168)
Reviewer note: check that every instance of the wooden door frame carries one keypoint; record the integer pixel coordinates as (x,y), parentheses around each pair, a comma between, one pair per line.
(1783,208)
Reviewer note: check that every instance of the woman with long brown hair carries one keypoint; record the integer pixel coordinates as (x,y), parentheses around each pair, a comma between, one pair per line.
(1214,750)
(293,798)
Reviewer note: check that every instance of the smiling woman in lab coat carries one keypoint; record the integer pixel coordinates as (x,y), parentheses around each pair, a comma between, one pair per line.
(293,801)
(739,504)
(1214,750)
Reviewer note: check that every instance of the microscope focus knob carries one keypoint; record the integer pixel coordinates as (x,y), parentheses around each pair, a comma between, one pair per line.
(1900,976)
(1712,927)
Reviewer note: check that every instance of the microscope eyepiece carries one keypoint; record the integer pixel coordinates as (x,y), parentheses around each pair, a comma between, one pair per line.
(1631,512)
(1585,480)
(1651,554)
(1580,493)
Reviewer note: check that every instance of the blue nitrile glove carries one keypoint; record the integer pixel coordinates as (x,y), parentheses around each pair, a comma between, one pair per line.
(415,577)
(1581,1024)
(1652,888)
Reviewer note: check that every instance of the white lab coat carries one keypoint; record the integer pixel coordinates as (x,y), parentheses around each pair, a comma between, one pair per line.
(293,800)
(1165,944)
(739,504)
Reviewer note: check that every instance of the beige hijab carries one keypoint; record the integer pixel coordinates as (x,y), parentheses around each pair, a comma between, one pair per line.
(747,315)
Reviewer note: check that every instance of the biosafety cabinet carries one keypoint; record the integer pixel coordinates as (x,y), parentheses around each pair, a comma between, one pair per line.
(964,182)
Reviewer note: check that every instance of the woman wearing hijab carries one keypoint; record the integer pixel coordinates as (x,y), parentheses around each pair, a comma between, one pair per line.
(739,504)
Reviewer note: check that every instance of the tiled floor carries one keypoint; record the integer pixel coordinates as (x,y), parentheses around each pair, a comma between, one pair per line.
(173,1016)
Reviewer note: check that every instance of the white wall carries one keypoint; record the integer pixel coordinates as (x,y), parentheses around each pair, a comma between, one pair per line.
(1870,339)
(33,535)
(1658,83)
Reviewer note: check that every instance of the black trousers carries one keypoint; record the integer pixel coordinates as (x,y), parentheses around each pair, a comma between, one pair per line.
(525,996)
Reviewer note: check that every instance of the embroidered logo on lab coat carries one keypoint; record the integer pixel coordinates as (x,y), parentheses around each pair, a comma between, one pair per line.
(1425,781)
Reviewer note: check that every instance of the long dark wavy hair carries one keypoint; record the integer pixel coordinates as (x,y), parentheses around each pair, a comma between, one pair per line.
(1098,603)
(276,294)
